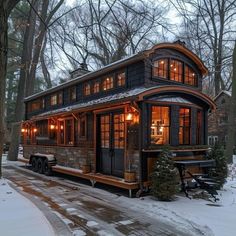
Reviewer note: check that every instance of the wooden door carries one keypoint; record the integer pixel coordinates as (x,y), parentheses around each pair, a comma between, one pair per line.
(111,132)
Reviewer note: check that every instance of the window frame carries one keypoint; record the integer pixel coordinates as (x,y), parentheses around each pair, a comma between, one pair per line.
(168,74)
(169,126)
(72,94)
(104,82)
(184,126)
(117,80)
(87,89)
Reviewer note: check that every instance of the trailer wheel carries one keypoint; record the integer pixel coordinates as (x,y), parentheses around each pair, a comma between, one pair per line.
(47,170)
(34,164)
(40,166)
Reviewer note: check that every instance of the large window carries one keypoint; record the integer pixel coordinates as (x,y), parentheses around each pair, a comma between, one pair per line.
(36,105)
(184,126)
(175,70)
(160,68)
(160,125)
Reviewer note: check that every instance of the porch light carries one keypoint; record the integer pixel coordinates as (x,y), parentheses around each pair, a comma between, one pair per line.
(35,130)
(61,127)
(129,116)
(23,130)
(52,126)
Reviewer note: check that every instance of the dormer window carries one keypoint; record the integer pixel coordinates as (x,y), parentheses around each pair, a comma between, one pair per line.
(87,90)
(121,79)
(107,83)
(174,70)
(96,87)
(56,99)
(72,93)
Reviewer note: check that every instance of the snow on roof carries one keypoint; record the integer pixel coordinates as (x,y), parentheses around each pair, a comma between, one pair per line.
(109,98)
(175,99)
(83,77)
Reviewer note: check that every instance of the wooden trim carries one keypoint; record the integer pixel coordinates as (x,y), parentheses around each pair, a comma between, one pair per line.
(181,49)
(109,109)
(170,88)
(176,150)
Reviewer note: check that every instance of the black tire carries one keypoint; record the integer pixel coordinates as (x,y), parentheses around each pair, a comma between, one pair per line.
(47,170)
(40,165)
(34,164)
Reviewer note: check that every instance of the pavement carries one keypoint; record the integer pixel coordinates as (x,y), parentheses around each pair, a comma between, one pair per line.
(77,209)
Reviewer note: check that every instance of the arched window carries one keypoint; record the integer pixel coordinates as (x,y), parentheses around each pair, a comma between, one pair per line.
(174,70)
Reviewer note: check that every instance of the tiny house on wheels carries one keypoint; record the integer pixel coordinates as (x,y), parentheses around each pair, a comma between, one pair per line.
(109,125)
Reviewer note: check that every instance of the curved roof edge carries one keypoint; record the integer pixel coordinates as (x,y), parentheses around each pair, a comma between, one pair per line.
(178,89)
(181,48)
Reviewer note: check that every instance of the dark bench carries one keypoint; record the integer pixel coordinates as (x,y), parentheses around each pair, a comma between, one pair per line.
(203,181)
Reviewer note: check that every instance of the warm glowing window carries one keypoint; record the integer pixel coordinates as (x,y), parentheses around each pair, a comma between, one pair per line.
(190,76)
(121,79)
(160,68)
(96,87)
(107,83)
(160,125)
(176,70)
(72,93)
(53,99)
(184,126)
(66,131)
(36,105)
(87,90)
(60,98)
(119,131)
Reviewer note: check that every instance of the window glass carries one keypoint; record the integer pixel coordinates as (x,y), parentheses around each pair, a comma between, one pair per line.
(72,94)
(69,139)
(96,87)
(176,70)
(190,76)
(87,90)
(119,131)
(53,99)
(60,98)
(121,79)
(160,125)
(184,126)
(108,83)
(160,68)
(82,127)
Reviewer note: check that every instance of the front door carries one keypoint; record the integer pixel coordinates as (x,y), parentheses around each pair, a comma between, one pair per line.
(111,137)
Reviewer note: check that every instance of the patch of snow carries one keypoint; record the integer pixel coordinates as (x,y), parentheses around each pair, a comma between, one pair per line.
(91,223)
(18,211)
(71,209)
(79,232)
(126,222)
(104,233)
(194,216)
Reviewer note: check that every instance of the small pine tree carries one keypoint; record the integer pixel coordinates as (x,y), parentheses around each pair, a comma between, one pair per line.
(165,177)
(220,171)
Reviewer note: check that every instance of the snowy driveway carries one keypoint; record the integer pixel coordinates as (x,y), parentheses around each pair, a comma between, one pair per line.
(89,211)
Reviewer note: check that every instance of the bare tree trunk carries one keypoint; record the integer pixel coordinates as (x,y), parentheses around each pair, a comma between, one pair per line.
(232,115)
(5,9)
(45,71)
(24,74)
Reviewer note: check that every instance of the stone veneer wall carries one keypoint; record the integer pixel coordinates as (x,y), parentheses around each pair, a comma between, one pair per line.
(73,157)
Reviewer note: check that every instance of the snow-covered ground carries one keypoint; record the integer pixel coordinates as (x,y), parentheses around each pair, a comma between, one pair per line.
(18,216)
(204,216)
(195,216)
